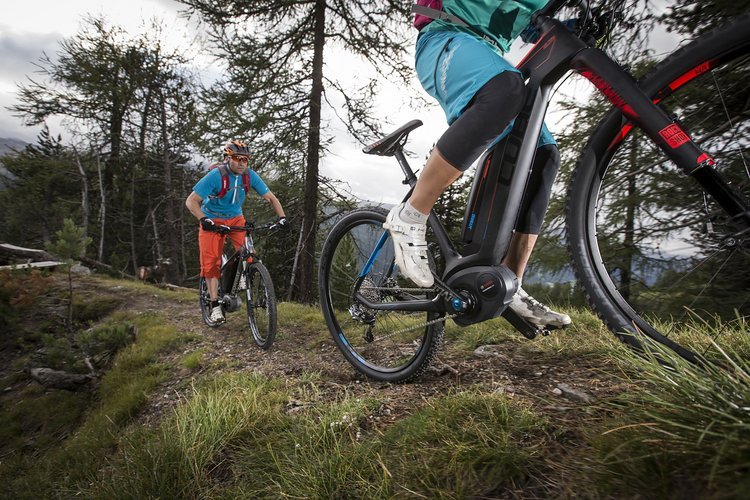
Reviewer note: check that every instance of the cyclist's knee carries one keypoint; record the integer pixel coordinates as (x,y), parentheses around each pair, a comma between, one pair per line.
(500,100)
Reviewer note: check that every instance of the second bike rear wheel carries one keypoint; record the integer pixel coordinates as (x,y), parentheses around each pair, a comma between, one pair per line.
(261,305)
(385,345)
(204,303)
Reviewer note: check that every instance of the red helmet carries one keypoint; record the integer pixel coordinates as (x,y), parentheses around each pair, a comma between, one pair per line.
(235,148)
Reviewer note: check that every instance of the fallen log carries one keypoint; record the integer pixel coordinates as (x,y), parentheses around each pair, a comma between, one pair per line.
(56,379)
(101,265)
(13,253)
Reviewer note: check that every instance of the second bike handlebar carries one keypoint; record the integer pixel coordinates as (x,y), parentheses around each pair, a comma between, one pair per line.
(221,228)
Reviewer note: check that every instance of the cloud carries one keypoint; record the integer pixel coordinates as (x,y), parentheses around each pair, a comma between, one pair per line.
(19,52)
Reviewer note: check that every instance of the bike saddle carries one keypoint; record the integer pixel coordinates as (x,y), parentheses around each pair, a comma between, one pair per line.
(389,144)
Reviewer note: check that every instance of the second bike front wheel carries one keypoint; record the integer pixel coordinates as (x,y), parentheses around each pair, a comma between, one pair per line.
(357,260)
(657,257)
(261,305)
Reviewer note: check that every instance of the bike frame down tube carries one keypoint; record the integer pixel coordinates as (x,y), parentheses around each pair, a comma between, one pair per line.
(502,175)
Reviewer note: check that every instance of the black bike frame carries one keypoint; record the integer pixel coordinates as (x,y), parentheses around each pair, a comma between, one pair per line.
(500,180)
(230,278)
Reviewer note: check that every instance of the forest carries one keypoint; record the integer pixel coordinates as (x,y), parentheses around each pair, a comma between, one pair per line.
(115,388)
(141,130)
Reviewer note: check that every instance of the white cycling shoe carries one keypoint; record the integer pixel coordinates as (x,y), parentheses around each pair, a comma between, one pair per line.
(410,248)
(536,313)
(217,315)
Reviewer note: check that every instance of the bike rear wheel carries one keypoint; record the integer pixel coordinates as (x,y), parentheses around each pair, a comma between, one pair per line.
(204,303)
(656,256)
(261,305)
(357,257)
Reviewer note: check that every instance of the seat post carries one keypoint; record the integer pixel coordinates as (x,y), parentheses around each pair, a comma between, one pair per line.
(411,178)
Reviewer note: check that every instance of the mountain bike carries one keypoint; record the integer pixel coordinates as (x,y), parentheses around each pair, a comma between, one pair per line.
(657,218)
(243,271)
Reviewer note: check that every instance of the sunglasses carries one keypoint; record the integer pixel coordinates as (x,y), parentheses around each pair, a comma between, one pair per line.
(241,159)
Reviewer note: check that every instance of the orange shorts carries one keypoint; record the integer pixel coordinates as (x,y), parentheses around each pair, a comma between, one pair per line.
(211,245)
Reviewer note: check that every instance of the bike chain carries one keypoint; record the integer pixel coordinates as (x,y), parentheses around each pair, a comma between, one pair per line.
(431,322)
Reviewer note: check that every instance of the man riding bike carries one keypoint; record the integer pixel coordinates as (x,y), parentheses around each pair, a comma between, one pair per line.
(216,201)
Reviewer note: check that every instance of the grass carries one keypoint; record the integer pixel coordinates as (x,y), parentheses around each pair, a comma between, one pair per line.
(193,361)
(122,392)
(670,431)
(233,439)
(686,433)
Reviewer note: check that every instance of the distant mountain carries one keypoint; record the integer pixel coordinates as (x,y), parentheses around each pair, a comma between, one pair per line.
(8,146)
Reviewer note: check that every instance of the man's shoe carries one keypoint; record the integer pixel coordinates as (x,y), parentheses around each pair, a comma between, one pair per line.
(536,313)
(217,315)
(410,247)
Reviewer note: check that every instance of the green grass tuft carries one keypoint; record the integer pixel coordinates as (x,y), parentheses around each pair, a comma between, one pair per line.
(686,433)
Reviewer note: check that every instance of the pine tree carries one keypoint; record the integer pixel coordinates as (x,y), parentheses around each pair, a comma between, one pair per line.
(69,245)
(275,87)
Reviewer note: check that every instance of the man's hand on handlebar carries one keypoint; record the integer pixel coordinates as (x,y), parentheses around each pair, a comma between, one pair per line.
(209,225)
(282,223)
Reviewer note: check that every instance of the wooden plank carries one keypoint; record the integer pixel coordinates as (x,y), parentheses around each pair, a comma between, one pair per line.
(46,263)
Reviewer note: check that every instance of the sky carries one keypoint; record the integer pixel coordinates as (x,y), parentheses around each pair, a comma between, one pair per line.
(32,27)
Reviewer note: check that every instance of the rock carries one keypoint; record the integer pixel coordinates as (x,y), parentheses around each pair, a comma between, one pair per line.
(487,351)
(574,394)
(504,389)
(78,268)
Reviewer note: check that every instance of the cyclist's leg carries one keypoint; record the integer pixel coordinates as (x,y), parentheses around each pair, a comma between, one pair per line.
(533,207)
(237,237)
(475,87)
(211,245)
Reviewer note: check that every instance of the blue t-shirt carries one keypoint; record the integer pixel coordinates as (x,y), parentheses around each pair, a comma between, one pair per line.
(230,205)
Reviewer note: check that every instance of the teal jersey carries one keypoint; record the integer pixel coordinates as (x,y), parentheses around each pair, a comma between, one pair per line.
(499,20)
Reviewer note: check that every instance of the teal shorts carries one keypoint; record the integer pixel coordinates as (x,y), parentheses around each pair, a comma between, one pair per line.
(452,66)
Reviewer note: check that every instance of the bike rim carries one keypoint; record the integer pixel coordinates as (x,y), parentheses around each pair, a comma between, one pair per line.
(385,342)
(204,301)
(674,262)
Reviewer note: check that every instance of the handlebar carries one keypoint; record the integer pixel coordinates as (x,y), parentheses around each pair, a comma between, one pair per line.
(592,23)
(553,6)
(221,228)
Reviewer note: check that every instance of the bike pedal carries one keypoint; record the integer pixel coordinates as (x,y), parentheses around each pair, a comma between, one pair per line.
(527,329)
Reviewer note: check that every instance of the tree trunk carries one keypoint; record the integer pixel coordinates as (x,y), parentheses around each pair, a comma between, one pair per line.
(183,228)
(305,290)
(102,208)
(172,250)
(84,198)
(290,293)
(133,175)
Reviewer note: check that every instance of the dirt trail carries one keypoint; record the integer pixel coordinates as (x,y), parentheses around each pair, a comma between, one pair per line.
(513,370)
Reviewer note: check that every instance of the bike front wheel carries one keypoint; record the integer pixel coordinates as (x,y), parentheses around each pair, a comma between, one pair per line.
(657,257)
(357,261)
(261,305)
